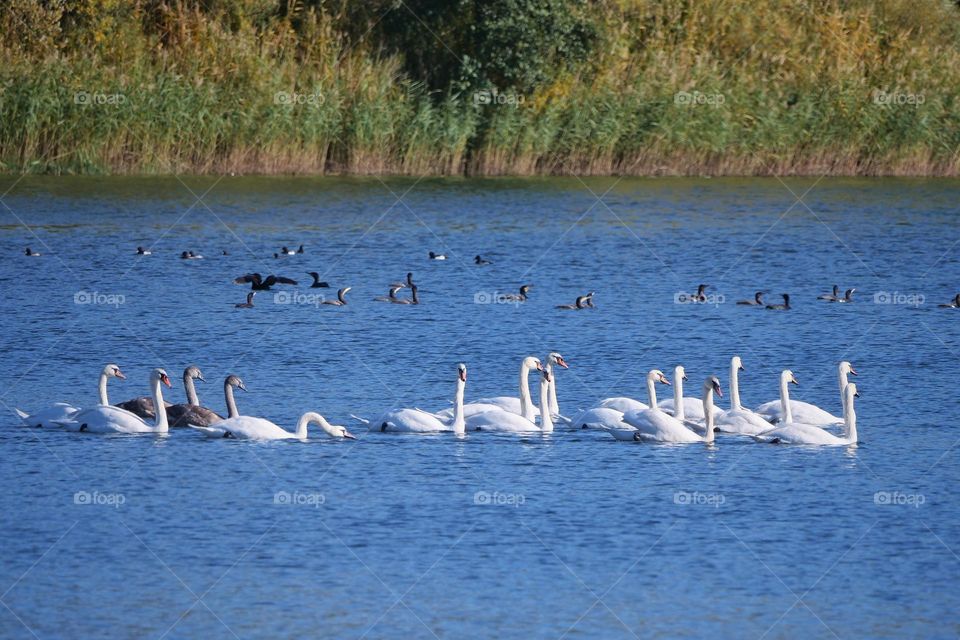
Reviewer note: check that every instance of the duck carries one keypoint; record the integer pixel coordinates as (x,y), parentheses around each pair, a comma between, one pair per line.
(341,300)
(953,304)
(190,255)
(317,283)
(781,307)
(60,411)
(143,252)
(581,303)
(756,302)
(700,295)
(477,260)
(287,252)
(437,256)
(259,283)
(831,297)
(31,253)
(248,304)
(514,297)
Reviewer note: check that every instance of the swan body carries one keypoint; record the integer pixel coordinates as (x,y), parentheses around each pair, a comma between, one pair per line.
(105,418)
(192,413)
(797,433)
(522,406)
(623,405)
(61,412)
(419,421)
(500,421)
(601,418)
(804,412)
(653,425)
(691,409)
(250,428)
(738,419)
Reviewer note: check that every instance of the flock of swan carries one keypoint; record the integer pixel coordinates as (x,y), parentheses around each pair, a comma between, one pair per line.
(680,419)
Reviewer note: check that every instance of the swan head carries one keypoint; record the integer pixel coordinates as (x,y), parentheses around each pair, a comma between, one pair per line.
(846,367)
(160,375)
(736,363)
(557,359)
(657,376)
(333,430)
(851,391)
(531,362)
(713,384)
(679,373)
(113,371)
(236,382)
(787,376)
(462,372)
(193,371)
(545,378)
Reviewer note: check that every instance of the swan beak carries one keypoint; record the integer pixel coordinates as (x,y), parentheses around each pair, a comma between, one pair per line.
(665,381)
(120,375)
(794,381)
(165,380)
(856,394)
(853,371)
(561,362)
(539,367)
(684,377)
(741,368)
(719,391)
(348,435)
(463,376)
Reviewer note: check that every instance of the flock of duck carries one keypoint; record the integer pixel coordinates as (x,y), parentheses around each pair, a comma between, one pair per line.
(680,419)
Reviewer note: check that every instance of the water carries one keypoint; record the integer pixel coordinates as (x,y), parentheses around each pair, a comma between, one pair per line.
(584,536)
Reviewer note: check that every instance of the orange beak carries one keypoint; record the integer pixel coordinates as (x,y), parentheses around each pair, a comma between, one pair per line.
(165,380)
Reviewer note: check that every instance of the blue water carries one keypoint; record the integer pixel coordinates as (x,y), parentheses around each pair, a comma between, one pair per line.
(582,536)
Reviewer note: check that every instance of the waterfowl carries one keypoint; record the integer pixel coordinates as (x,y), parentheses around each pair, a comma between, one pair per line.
(60,411)
(831,297)
(953,304)
(739,419)
(480,261)
(144,407)
(847,296)
(581,303)
(623,404)
(143,252)
(287,252)
(248,304)
(258,283)
(300,250)
(523,405)
(799,433)
(406,283)
(774,411)
(30,253)
(785,306)
(555,358)
(192,413)
(109,419)
(437,256)
(250,428)
(317,283)
(190,255)
(341,299)
(756,302)
(418,421)
(653,425)
(391,296)
(700,295)
(684,409)
(413,299)
(513,297)
(500,421)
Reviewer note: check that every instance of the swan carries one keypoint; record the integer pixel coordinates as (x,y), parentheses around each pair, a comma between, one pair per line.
(183,415)
(796,433)
(653,425)
(523,405)
(805,412)
(602,418)
(105,418)
(501,421)
(61,411)
(341,300)
(31,253)
(689,408)
(249,428)
(419,421)
(785,306)
(601,413)
(738,419)
(143,406)
(555,358)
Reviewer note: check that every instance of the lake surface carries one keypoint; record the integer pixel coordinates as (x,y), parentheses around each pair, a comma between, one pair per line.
(571,535)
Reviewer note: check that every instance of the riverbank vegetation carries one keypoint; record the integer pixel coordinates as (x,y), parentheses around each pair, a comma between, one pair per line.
(481,87)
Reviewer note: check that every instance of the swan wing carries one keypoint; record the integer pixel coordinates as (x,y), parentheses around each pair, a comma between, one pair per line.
(744,422)
(803,413)
(623,405)
(57,412)
(498,420)
(107,419)
(796,433)
(182,415)
(250,428)
(657,426)
(408,421)
(507,403)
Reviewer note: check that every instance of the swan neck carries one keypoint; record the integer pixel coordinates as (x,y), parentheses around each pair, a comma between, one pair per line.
(191,390)
(785,401)
(735,387)
(459,425)
(651,392)
(302,423)
(554,407)
(526,404)
(102,388)
(850,420)
(231,403)
(842,376)
(708,412)
(161,409)
(546,421)
(678,411)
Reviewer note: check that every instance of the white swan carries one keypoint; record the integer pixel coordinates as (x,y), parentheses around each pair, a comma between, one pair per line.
(624,405)
(796,433)
(555,358)
(508,422)
(738,419)
(105,418)
(805,412)
(689,408)
(523,405)
(250,428)
(603,418)
(419,421)
(62,411)
(653,425)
